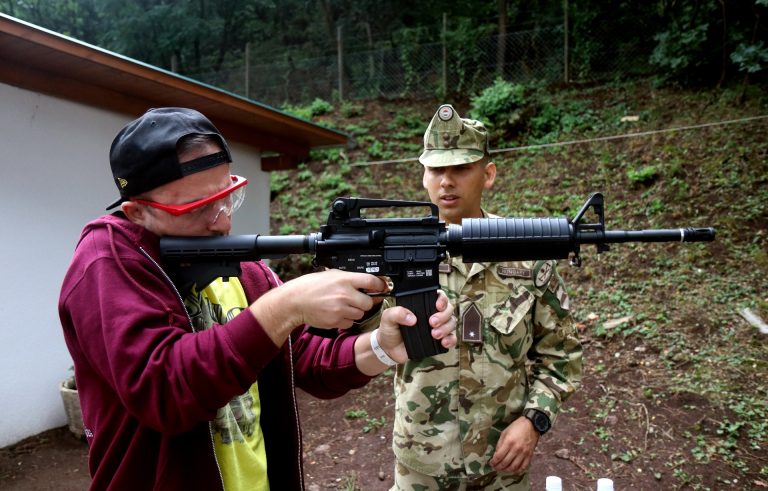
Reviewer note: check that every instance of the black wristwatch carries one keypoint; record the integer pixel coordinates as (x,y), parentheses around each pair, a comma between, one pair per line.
(539,419)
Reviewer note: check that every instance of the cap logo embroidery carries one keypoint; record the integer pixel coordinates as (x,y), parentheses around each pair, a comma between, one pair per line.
(122,182)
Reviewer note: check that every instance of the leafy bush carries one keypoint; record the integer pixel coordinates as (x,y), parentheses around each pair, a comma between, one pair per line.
(465,53)
(500,103)
(412,59)
(350,109)
(356,129)
(279,181)
(500,107)
(315,108)
(408,120)
(679,50)
(319,107)
(750,58)
(379,150)
(686,49)
(644,175)
(553,118)
(328,156)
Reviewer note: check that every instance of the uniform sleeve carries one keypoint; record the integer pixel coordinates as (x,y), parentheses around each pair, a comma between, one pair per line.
(556,352)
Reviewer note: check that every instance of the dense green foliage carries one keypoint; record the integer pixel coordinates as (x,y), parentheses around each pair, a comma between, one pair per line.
(690,41)
(499,105)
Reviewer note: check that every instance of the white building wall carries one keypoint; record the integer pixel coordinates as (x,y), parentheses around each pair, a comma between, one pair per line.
(55,177)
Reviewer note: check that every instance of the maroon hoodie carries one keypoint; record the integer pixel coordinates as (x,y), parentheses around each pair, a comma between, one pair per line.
(149,385)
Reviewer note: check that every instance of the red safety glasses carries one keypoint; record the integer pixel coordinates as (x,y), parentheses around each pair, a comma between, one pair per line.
(235,193)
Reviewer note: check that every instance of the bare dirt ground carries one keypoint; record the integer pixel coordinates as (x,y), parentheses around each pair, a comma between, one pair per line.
(340,454)
(347,440)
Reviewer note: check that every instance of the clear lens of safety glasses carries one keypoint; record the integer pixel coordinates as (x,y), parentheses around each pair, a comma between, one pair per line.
(229,204)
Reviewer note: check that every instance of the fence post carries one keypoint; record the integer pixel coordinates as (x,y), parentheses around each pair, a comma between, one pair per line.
(501,45)
(367,26)
(340,56)
(566,60)
(247,69)
(444,88)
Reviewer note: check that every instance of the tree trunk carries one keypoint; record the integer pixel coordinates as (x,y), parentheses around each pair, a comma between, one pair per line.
(330,21)
(724,49)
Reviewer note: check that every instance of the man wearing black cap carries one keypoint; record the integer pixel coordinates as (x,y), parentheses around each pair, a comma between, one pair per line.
(196,391)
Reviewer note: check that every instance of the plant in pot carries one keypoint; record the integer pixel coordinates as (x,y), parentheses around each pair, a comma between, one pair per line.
(71,400)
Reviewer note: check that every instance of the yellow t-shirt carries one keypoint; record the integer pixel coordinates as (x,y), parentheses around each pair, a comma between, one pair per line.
(237,437)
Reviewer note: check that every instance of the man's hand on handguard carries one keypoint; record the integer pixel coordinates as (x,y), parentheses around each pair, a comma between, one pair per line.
(327,299)
(515,447)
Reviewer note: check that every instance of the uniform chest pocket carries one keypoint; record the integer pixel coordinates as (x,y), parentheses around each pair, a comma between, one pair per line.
(508,309)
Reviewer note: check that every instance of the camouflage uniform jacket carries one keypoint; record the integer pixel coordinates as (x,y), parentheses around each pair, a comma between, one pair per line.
(452,408)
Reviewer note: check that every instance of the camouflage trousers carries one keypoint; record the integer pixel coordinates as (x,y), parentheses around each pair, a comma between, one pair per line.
(409,480)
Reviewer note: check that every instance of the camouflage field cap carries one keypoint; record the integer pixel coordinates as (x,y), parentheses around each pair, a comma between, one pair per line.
(453,140)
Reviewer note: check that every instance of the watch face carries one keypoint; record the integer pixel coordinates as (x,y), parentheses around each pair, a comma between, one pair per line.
(541,422)
(539,419)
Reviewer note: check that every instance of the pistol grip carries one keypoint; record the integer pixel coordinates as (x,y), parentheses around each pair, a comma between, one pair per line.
(418,339)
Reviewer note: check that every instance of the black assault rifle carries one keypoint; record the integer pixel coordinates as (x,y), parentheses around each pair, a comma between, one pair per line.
(408,250)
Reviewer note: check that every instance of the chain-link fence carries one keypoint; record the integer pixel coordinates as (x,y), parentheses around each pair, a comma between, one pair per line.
(448,67)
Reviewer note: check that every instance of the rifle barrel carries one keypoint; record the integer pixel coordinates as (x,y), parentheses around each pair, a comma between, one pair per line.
(519,239)
(659,235)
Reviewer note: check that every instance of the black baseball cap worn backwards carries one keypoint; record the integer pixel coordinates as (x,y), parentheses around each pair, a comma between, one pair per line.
(143,155)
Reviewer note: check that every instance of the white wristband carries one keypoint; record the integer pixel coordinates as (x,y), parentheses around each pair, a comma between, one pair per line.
(379,351)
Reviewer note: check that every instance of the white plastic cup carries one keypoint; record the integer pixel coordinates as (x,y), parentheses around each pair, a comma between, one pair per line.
(553,483)
(604,484)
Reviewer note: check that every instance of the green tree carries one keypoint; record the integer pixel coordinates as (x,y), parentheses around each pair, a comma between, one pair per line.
(79,19)
(696,40)
(691,41)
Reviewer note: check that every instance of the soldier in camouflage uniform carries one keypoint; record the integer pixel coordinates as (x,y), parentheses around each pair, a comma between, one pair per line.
(471,418)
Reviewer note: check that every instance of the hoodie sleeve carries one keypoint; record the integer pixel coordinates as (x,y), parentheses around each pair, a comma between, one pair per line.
(131,339)
(323,366)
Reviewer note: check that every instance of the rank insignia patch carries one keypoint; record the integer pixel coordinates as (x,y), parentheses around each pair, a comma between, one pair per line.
(472,325)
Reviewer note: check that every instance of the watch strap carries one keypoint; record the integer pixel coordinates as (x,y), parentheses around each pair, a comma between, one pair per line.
(539,419)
